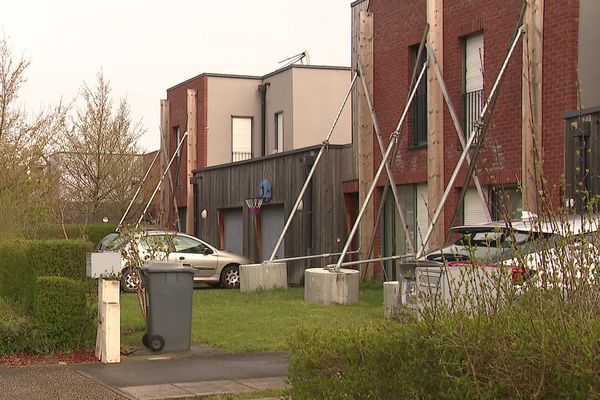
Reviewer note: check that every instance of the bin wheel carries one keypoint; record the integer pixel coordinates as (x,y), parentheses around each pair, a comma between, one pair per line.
(156,342)
(145,339)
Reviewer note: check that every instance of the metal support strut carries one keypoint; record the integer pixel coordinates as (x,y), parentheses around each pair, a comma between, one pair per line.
(324,145)
(162,178)
(394,137)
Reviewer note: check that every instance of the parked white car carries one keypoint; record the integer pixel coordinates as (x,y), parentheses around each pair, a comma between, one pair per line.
(212,266)
(532,251)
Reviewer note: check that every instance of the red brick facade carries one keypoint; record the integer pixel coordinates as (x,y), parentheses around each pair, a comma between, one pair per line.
(400,24)
(177,97)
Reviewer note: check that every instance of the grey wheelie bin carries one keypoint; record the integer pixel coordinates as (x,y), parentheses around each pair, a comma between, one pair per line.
(169,290)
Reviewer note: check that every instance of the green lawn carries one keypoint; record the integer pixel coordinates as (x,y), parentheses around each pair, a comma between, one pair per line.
(257,321)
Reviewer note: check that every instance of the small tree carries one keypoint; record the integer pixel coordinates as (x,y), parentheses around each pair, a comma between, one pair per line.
(101,165)
(25,142)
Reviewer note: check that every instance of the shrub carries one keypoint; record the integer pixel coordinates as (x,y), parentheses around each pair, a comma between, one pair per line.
(65,258)
(17,272)
(61,312)
(91,232)
(14,328)
(540,348)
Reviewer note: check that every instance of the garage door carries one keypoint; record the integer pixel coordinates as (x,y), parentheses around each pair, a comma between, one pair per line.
(272,225)
(233,231)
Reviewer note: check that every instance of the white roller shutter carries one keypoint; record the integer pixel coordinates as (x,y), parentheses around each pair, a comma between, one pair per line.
(241,137)
(422,213)
(474,211)
(474,63)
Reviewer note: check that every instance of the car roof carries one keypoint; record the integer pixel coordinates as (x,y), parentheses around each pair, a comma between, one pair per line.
(562,225)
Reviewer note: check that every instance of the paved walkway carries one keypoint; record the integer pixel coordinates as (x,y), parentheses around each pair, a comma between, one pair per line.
(144,376)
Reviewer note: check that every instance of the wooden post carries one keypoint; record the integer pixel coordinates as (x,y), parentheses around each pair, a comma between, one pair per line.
(435,121)
(165,190)
(365,139)
(108,335)
(531,124)
(192,156)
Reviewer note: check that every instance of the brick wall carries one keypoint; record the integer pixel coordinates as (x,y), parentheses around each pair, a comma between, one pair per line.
(177,98)
(399,24)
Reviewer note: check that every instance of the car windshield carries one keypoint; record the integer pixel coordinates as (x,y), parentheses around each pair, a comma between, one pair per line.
(112,242)
(487,245)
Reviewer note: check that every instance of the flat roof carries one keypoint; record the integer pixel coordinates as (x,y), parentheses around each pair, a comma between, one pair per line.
(270,74)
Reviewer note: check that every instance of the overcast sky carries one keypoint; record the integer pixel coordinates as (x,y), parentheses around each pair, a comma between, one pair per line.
(147,46)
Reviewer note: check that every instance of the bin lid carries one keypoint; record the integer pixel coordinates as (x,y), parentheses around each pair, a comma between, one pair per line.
(166,266)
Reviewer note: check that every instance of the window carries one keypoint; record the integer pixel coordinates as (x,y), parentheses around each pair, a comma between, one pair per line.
(188,245)
(176,139)
(278,148)
(507,202)
(241,138)
(473,79)
(419,105)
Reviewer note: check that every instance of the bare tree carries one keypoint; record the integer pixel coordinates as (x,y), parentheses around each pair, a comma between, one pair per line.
(24,143)
(101,164)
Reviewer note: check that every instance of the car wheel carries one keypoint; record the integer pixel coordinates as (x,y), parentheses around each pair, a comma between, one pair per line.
(131,280)
(230,277)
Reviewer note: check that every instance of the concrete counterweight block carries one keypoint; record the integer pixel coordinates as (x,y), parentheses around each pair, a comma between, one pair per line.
(324,287)
(264,276)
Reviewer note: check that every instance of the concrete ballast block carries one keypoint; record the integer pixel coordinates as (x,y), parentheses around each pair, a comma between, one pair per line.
(264,276)
(322,286)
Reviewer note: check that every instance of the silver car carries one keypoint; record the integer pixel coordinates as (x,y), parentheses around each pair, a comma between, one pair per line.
(212,266)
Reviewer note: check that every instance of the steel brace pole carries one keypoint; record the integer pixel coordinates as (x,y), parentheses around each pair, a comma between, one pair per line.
(457,126)
(137,192)
(324,145)
(394,138)
(387,164)
(474,134)
(162,178)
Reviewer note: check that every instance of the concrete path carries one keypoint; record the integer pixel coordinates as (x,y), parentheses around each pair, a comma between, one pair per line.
(144,376)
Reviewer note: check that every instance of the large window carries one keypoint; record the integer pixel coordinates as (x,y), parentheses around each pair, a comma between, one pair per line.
(278,132)
(473,79)
(419,105)
(241,138)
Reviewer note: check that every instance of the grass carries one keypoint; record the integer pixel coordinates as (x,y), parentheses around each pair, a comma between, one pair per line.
(257,321)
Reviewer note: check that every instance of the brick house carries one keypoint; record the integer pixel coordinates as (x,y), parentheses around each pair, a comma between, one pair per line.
(476,35)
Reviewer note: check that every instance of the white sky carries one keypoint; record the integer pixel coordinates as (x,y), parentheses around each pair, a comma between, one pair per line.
(147,46)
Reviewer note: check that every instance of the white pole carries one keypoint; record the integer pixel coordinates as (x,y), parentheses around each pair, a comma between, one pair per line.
(394,138)
(162,178)
(474,134)
(312,171)
(137,192)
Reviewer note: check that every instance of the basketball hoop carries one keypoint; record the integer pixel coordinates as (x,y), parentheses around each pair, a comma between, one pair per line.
(254,204)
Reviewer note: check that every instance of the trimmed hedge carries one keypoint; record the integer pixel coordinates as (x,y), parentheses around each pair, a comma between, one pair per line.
(61,312)
(553,352)
(91,232)
(65,258)
(15,327)
(17,272)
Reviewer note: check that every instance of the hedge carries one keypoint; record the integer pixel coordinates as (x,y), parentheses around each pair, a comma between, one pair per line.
(60,257)
(519,352)
(91,232)
(61,312)
(17,272)
(15,327)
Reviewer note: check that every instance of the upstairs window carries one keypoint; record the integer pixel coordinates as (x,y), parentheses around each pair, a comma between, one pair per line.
(419,104)
(241,138)
(473,89)
(278,147)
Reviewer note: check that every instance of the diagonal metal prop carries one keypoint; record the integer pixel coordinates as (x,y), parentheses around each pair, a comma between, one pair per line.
(388,168)
(324,145)
(393,139)
(474,135)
